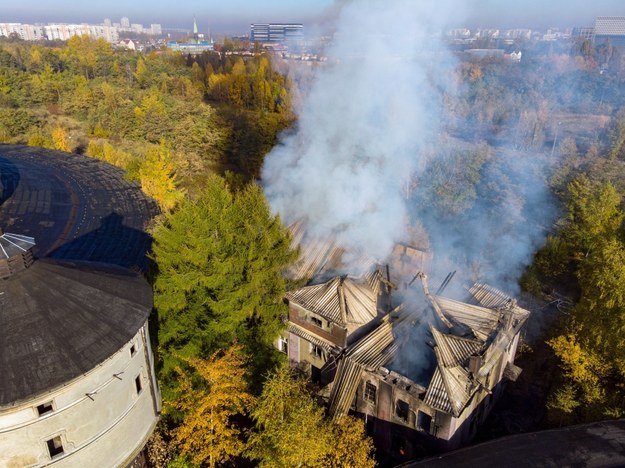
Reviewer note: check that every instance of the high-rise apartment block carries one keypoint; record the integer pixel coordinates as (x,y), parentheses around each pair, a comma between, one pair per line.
(276,32)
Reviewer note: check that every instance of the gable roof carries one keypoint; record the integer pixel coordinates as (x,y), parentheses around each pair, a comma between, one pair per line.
(345,301)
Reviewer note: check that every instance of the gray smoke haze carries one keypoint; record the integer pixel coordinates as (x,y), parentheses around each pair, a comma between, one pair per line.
(361,129)
(356,168)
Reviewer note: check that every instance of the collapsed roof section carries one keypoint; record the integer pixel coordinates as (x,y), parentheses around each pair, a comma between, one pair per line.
(465,354)
(321,257)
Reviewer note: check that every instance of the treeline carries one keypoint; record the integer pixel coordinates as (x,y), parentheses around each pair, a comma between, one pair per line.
(584,261)
(207,115)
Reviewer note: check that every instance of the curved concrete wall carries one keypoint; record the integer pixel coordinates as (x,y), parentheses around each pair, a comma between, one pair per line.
(102,418)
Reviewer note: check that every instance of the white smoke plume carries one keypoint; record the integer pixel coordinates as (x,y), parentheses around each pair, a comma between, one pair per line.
(369,126)
(361,129)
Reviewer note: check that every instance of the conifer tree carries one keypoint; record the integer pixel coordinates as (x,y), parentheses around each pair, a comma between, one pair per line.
(219,261)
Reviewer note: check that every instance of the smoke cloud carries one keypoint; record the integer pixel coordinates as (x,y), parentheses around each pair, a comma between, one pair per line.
(358,167)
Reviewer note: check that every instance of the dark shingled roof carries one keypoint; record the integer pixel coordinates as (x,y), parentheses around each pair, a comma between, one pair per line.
(60,319)
(76,207)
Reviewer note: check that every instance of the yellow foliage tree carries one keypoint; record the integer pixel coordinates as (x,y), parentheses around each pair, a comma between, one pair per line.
(350,447)
(583,367)
(207,435)
(157,177)
(60,140)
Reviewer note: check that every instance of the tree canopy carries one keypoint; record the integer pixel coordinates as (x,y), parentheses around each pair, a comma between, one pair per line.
(219,261)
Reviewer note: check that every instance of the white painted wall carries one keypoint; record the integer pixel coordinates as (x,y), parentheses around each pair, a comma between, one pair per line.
(101,419)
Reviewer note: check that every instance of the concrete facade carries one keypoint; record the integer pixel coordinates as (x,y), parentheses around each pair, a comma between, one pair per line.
(102,418)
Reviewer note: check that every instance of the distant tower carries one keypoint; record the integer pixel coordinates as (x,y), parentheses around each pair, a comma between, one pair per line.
(195,33)
(125,22)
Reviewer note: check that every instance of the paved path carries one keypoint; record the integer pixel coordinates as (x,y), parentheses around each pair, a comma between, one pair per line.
(74,206)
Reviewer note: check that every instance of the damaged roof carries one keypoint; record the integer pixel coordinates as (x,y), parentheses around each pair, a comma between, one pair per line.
(320,256)
(479,331)
(14,244)
(345,301)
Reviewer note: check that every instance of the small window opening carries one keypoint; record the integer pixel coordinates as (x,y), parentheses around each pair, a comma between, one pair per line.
(133,350)
(316,321)
(55,446)
(424,421)
(45,408)
(402,409)
(284,346)
(316,351)
(138,384)
(370,391)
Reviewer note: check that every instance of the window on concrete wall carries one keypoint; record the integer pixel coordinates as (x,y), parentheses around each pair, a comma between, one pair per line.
(45,408)
(402,409)
(424,421)
(55,446)
(138,385)
(317,321)
(133,349)
(370,391)
(316,351)
(284,345)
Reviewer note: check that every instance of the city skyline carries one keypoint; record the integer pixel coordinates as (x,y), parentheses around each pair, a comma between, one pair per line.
(236,15)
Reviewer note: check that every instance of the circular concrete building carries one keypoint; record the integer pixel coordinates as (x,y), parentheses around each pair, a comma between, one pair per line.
(77,384)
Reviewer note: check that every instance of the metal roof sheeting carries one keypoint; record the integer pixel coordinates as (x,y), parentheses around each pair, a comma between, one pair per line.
(436,396)
(481,320)
(325,345)
(454,350)
(344,301)
(14,244)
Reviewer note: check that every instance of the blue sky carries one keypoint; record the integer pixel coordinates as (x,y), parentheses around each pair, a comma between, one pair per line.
(232,16)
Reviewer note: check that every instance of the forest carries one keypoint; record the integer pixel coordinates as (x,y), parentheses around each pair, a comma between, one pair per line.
(193,132)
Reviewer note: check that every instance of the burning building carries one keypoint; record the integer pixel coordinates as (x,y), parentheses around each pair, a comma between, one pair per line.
(423,374)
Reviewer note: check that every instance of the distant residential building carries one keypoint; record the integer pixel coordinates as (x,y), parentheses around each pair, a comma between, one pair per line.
(26,32)
(267,33)
(107,22)
(586,32)
(156,29)
(125,23)
(128,44)
(610,29)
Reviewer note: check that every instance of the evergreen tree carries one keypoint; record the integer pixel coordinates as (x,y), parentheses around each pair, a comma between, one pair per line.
(219,262)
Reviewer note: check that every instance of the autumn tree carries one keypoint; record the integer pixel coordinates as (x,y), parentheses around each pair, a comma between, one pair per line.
(291,429)
(60,140)
(220,260)
(209,399)
(158,179)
